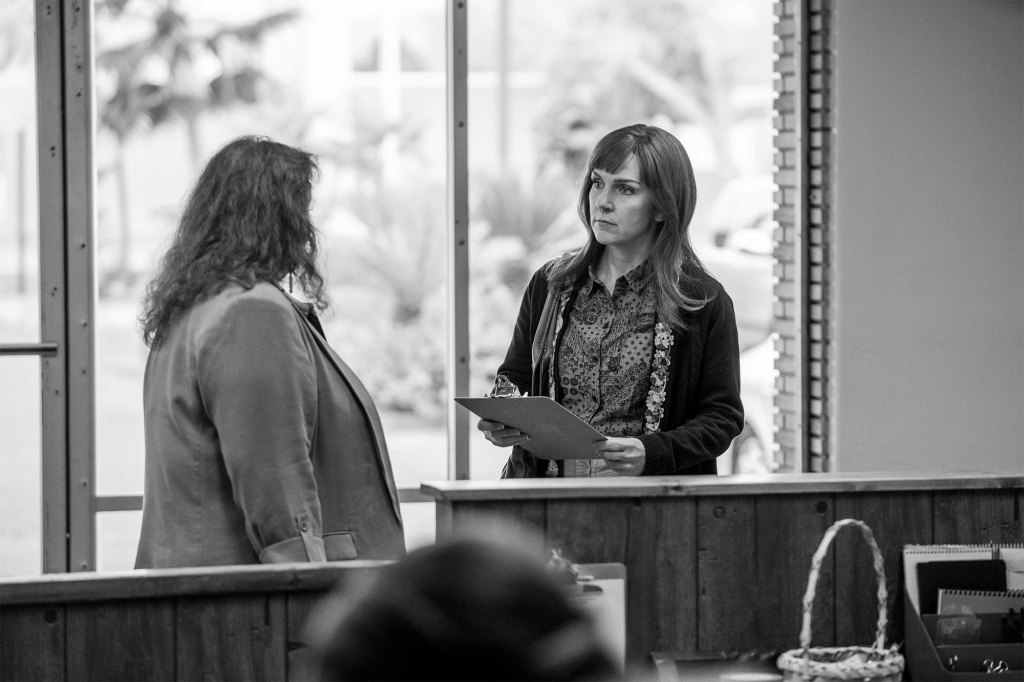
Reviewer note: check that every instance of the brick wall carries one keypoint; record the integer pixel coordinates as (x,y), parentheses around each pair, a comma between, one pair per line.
(803,122)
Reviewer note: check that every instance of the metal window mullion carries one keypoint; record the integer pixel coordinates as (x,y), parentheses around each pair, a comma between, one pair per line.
(112,503)
(52,284)
(44,349)
(81,363)
(458,237)
(800,239)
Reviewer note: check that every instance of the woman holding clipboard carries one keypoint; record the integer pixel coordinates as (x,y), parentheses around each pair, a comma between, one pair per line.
(630,333)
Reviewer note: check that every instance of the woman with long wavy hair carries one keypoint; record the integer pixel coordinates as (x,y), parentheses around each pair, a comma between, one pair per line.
(261,444)
(629,332)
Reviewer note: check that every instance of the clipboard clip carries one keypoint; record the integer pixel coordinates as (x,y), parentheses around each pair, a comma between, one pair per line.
(504,388)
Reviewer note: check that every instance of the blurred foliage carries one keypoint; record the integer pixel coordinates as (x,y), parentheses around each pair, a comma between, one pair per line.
(177,69)
(532,210)
(400,363)
(403,254)
(647,60)
(16,44)
(397,214)
(174,70)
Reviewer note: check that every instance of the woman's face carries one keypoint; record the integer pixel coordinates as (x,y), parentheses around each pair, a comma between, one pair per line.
(621,209)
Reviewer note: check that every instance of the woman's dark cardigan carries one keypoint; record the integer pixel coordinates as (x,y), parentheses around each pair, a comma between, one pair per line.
(703,410)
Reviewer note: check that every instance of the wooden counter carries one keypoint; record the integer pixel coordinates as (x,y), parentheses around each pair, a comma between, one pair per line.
(224,623)
(721,563)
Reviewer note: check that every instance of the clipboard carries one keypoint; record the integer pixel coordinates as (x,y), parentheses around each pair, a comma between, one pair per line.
(555,432)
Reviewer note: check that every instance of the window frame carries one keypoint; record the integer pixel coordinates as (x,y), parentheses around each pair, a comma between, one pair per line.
(64,111)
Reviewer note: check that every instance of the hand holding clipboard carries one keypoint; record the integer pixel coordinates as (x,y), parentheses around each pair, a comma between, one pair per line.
(554,432)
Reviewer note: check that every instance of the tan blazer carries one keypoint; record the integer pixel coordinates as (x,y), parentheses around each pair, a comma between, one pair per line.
(261,444)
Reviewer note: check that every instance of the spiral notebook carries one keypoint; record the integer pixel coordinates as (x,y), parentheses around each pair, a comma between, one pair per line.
(980,601)
(959,574)
(1012,556)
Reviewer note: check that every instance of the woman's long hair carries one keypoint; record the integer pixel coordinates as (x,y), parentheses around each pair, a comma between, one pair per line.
(665,168)
(246,220)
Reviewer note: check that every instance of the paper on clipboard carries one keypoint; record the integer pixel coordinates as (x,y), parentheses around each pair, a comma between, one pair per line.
(555,432)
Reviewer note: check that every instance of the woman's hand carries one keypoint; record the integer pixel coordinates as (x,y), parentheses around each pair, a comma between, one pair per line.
(625,455)
(501,435)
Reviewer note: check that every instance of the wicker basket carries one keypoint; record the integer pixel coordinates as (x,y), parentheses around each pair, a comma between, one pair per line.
(874,663)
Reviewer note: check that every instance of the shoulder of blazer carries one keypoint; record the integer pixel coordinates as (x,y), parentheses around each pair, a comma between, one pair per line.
(278,294)
(207,315)
(233,294)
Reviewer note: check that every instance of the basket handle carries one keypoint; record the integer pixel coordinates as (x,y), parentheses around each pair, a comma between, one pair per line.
(812,581)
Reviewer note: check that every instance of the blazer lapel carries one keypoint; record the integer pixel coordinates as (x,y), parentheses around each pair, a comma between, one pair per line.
(365,400)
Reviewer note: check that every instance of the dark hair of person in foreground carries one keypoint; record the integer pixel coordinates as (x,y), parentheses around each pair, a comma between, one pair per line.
(467,609)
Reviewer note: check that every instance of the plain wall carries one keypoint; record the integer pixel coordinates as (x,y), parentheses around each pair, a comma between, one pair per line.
(928,250)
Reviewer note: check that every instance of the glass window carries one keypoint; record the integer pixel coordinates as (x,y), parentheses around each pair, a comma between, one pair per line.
(363,85)
(21,464)
(546,81)
(117,539)
(20,424)
(384,215)
(360,84)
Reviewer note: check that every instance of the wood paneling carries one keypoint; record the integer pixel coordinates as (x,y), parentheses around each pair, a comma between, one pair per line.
(121,640)
(32,643)
(305,611)
(895,520)
(598,529)
(178,582)
(957,515)
(527,515)
(444,519)
(789,528)
(231,638)
(709,567)
(307,614)
(727,569)
(723,563)
(660,550)
(222,623)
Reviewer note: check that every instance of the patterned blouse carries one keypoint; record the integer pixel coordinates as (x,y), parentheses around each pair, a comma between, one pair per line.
(604,359)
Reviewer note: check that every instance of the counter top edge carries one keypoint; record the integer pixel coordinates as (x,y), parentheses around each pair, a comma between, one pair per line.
(697,486)
(55,588)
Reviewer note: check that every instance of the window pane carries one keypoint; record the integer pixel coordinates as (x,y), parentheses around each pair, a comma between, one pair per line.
(117,539)
(547,81)
(360,84)
(120,362)
(20,448)
(21,463)
(384,215)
